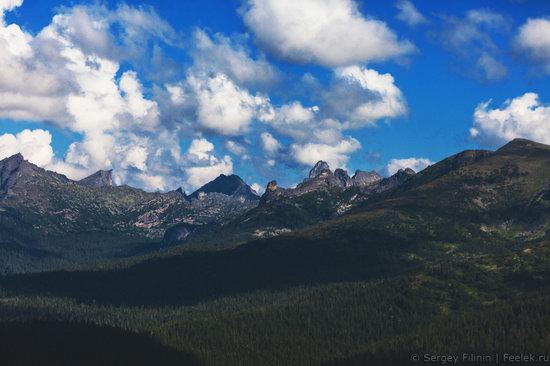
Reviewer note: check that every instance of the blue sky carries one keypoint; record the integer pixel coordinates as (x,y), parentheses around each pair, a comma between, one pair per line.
(171,94)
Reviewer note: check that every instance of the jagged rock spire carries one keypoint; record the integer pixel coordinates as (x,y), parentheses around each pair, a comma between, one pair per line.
(343,177)
(318,169)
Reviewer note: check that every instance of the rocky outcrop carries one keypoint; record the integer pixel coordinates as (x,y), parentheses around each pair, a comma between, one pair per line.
(318,169)
(344,180)
(100,179)
(273,192)
(402,176)
(11,170)
(363,179)
(321,178)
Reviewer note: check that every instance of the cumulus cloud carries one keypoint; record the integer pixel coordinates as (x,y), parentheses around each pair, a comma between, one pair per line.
(521,117)
(152,182)
(223,106)
(73,80)
(416,164)
(336,155)
(472,40)
(363,96)
(409,14)
(200,150)
(534,39)
(358,97)
(325,32)
(34,145)
(293,120)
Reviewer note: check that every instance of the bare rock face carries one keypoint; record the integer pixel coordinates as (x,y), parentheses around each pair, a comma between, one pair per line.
(318,169)
(102,178)
(274,192)
(343,178)
(320,178)
(363,179)
(11,170)
(395,180)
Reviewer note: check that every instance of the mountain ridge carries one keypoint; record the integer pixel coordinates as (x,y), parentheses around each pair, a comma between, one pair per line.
(45,207)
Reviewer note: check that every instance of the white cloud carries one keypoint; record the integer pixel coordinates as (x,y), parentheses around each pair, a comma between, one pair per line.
(521,117)
(379,98)
(34,145)
(269,143)
(326,32)
(534,39)
(134,153)
(199,175)
(416,164)
(224,107)
(200,150)
(143,111)
(220,54)
(409,14)
(335,155)
(294,120)
(72,79)
(152,182)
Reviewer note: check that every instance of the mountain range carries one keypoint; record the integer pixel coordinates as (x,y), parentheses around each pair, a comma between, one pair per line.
(41,210)
(338,270)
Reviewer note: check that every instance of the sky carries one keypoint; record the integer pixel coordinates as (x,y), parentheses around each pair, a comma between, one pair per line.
(172,94)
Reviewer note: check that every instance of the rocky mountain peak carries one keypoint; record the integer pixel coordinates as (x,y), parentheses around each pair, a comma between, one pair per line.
(231,185)
(343,177)
(318,169)
(523,147)
(362,178)
(102,178)
(11,169)
(407,171)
